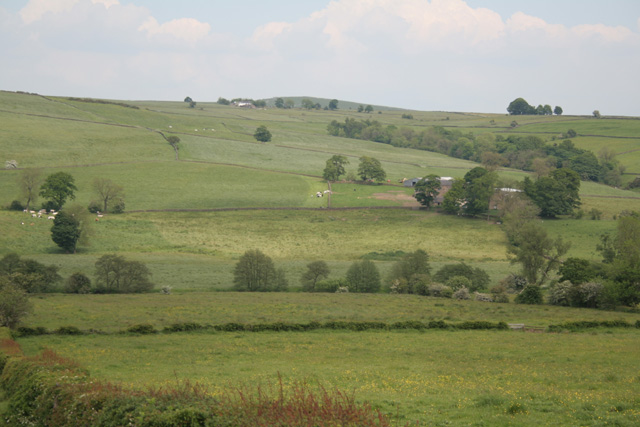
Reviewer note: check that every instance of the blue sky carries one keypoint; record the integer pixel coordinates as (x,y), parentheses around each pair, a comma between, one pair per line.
(451,55)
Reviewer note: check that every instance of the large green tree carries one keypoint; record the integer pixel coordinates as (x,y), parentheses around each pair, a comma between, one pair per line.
(58,187)
(335,167)
(536,252)
(427,189)
(262,134)
(255,272)
(556,194)
(315,272)
(411,264)
(66,231)
(363,276)
(115,274)
(333,104)
(371,168)
(519,107)
(479,185)
(14,304)
(478,278)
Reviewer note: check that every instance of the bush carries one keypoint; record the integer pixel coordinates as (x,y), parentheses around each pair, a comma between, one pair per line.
(560,294)
(16,205)
(531,294)
(442,291)
(457,282)
(514,282)
(586,295)
(68,330)
(461,294)
(143,329)
(78,283)
(499,294)
(118,206)
(330,285)
(478,277)
(94,206)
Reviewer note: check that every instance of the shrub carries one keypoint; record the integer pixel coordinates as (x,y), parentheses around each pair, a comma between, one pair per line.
(330,285)
(478,277)
(586,295)
(118,206)
(143,329)
(68,330)
(531,294)
(483,297)
(514,282)
(94,206)
(499,294)
(78,283)
(560,294)
(442,291)
(16,205)
(461,294)
(457,282)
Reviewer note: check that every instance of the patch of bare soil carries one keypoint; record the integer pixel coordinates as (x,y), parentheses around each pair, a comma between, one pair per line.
(397,196)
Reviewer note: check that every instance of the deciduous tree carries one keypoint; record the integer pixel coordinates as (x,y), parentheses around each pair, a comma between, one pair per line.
(371,168)
(427,189)
(108,191)
(115,274)
(333,104)
(316,271)
(58,187)
(335,168)
(363,276)
(262,134)
(29,181)
(14,304)
(65,231)
(255,272)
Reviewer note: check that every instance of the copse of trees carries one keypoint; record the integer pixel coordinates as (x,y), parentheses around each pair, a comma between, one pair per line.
(521,107)
(116,274)
(29,275)
(515,151)
(255,272)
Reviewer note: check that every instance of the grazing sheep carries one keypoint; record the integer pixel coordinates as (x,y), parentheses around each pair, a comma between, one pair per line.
(51,217)
(33,215)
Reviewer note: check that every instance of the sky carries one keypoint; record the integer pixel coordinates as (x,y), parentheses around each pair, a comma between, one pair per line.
(429,55)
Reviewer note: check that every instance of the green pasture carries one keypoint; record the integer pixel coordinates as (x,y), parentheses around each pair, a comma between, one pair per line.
(210,308)
(602,127)
(434,377)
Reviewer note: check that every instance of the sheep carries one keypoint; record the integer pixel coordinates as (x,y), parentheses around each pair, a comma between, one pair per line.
(33,215)
(51,217)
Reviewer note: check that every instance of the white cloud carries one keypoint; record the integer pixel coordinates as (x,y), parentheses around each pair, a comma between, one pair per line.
(187,29)
(36,9)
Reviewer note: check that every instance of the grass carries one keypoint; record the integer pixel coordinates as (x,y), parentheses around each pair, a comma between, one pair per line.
(96,311)
(494,378)
(484,378)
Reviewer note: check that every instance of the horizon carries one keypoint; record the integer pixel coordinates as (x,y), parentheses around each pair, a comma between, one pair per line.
(453,55)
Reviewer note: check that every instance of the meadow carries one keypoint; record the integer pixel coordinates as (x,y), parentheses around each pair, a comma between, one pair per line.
(190,216)
(434,378)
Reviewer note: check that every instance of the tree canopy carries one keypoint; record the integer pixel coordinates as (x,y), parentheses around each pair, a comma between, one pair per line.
(115,274)
(66,231)
(315,272)
(556,194)
(58,187)
(371,168)
(255,272)
(427,189)
(262,134)
(363,276)
(334,168)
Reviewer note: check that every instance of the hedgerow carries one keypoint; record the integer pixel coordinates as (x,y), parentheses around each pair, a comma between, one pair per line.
(48,390)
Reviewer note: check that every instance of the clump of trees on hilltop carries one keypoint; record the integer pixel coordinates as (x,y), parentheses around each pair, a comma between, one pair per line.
(519,107)
(529,153)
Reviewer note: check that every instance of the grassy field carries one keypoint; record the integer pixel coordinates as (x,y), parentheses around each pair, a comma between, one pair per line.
(190,217)
(96,311)
(436,378)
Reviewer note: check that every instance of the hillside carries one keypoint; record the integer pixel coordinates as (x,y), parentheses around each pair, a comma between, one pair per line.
(192,212)
(219,165)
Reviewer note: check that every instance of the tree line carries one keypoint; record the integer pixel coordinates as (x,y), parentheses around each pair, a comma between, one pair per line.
(528,153)
(521,107)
